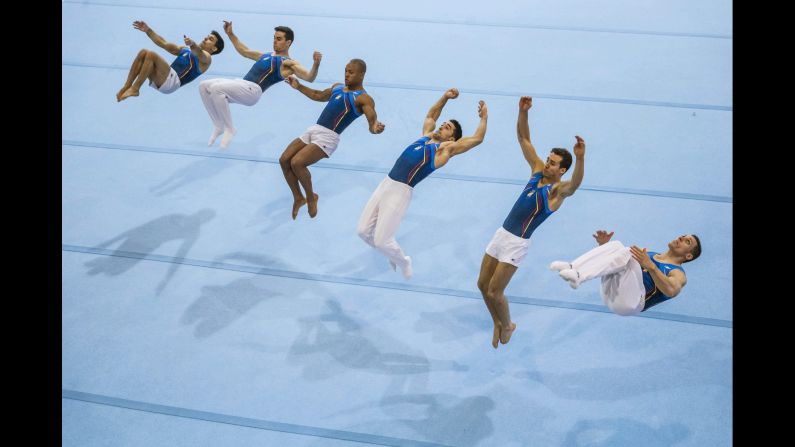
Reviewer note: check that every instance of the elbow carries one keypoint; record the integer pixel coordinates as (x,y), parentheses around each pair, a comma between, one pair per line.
(674,292)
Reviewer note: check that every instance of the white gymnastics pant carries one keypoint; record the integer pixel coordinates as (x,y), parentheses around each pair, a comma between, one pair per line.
(218,93)
(382,216)
(622,277)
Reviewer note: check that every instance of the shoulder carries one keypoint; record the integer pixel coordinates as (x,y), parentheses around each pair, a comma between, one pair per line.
(364,98)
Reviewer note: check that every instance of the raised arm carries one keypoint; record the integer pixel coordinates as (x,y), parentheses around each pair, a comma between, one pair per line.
(203,56)
(523,134)
(566,189)
(239,46)
(602,237)
(670,285)
(303,73)
(436,110)
(451,149)
(316,95)
(159,41)
(368,108)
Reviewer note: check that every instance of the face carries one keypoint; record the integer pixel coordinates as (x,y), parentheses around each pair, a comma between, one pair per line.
(552,167)
(208,44)
(280,42)
(683,245)
(353,74)
(445,132)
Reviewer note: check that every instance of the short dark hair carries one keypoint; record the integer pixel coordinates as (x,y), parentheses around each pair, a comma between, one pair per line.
(360,63)
(695,251)
(457,131)
(219,43)
(566,155)
(288,33)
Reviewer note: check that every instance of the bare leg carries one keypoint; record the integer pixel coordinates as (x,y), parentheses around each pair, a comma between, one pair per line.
(487,267)
(135,69)
(292,181)
(154,68)
(307,156)
(496,294)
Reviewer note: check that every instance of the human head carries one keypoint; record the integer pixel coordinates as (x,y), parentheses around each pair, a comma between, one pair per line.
(354,72)
(282,38)
(448,131)
(558,162)
(213,43)
(686,246)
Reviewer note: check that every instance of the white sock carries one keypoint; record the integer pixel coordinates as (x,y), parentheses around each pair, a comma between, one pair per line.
(559,265)
(571,276)
(407,271)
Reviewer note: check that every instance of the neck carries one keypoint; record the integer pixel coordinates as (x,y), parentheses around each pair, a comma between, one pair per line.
(358,86)
(281,53)
(669,258)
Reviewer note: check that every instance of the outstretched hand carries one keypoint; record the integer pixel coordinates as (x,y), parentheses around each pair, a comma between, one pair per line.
(293,82)
(525,102)
(579,147)
(141,26)
(642,256)
(227,27)
(316,56)
(483,111)
(602,236)
(188,41)
(378,127)
(451,93)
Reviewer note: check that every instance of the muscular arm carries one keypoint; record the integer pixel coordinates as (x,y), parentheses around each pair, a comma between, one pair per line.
(240,46)
(670,285)
(466,143)
(203,56)
(523,135)
(368,108)
(303,73)
(566,189)
(159,41)
(436,110)
(315,95)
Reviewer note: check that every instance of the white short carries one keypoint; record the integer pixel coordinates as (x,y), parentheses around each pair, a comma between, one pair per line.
(326,139)
(170,85)
(508,247)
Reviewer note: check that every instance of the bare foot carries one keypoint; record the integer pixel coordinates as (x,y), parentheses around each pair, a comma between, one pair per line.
(505,334)
(118,95)
(297,205)
(311,206)
(127,93)
(496,337)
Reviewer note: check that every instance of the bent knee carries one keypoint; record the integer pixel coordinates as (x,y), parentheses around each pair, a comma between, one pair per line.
(365,235)
(297,163)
